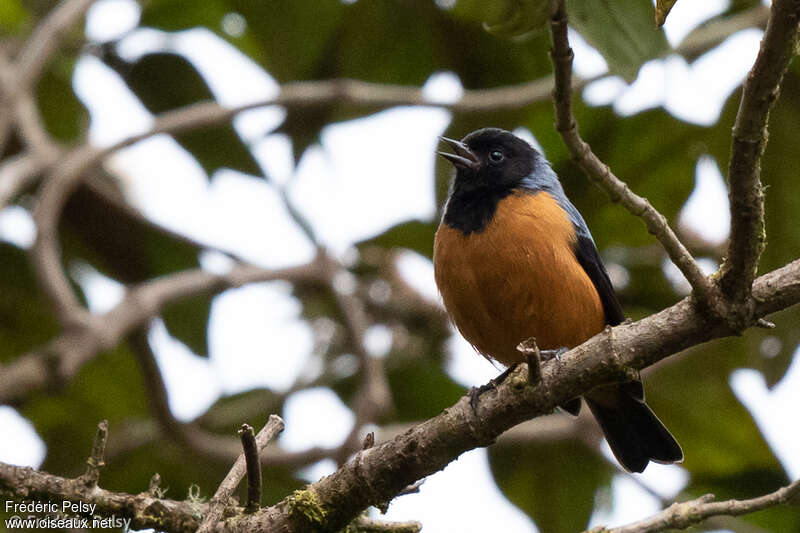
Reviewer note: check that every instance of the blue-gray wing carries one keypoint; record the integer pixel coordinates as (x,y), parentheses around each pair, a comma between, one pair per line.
(589,258)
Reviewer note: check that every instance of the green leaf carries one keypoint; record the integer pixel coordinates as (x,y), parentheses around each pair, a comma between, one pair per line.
(623,31)
(26,319)
(509,18)
(108,387)
(229,412)
(13,16)
(294,37)
(717,433)
(663,7)
(421,388)
(63,114)
(413,235)
(165,81)
(187,320)
(555,484)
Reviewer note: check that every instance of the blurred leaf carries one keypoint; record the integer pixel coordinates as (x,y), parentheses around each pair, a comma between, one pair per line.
(294,37)
(518,17)
(555,484)
(421,389)
(13,16)
(26,320)
(693,398)
(623,31)
(663,7)
(229,412)
(187,320)
(175,15)
(165,81)
(123,245)
(414,235)
(63,114)
(108,387)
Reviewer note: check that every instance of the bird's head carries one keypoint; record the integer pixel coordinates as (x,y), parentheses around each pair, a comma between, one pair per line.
(491,159)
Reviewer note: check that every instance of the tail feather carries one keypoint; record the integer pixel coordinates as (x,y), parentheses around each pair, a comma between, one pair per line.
(633,431)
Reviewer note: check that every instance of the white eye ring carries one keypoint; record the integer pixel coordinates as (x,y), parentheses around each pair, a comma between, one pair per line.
(496,156)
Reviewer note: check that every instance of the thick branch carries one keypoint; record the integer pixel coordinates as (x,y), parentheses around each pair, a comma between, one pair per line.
(601,174)
(685,514)
(761,88)
(145,510)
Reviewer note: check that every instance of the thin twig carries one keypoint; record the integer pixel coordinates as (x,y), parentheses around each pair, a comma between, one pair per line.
(217,504)
(46,40)
(253,464)
(154,487)
(600,173)
(364,524)
(533,356)
(760,91)
(374,396)
(685,514)
(96,460)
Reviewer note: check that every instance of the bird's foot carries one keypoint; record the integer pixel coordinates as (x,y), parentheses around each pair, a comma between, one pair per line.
(553,354)
(475,392)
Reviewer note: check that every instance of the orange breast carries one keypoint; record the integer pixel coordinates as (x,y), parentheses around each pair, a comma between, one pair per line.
(518,278)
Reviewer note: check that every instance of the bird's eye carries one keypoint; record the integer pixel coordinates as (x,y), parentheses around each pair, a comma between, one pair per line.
(496,156)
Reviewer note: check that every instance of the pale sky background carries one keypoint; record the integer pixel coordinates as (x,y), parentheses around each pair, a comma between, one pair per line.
(244,215)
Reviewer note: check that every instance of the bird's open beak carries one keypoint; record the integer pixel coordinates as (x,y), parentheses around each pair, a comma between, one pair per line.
(463,157)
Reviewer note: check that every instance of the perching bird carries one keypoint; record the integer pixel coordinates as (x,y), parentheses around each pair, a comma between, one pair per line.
(514,259)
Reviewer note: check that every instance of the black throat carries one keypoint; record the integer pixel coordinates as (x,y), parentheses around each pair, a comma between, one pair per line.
(471,211)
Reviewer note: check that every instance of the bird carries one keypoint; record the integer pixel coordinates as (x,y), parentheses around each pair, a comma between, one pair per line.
(514,259)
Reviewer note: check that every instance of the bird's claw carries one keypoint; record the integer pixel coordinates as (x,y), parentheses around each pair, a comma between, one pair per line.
(475,392)
(554,354)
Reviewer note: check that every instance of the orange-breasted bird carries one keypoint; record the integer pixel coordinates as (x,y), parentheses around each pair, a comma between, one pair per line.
(514,259)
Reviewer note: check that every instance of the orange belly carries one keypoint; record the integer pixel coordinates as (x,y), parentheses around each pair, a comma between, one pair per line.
(518,278)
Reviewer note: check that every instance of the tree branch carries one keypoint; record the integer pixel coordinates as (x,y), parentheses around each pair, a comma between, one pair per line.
(601,174)
(46,39)
(685,514)
(251,452)
(145,509)
(761,89)
(60,359)
(95,461)
(374,396)
(378,474)
(219,501)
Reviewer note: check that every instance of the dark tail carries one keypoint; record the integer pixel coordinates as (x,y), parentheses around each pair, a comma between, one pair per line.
(633,431)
